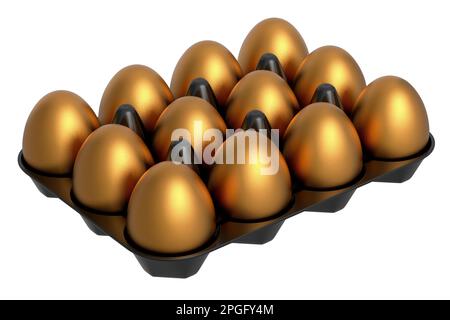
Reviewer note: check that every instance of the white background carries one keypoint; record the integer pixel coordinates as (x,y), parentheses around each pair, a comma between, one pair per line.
(391,241)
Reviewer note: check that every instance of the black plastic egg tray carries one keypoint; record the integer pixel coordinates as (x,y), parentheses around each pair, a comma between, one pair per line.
(229,231)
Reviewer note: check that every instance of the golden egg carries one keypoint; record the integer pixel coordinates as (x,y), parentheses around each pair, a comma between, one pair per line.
(264,91)
(322,147)
(55,131)
(330,65)
(211,61)
(193,114)
(108,166)
(170,210)
(139,86)
(256,188)
(391,119)
(275,36)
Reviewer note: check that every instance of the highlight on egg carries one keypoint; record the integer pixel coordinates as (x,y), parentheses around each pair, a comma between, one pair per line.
(108,166)
(170,210)
(276,36)
(189,118)
(322,147)
(55,130)
(138,86)
(334,66)
(250,179)
(264,91)
(211,61)
(391,119)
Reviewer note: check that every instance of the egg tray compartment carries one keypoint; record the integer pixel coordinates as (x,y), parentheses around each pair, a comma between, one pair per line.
(229,231)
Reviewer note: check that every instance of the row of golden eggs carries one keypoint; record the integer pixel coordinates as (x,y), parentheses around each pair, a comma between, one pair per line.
(394,94)
(391,94)
(142,88)
(411,117)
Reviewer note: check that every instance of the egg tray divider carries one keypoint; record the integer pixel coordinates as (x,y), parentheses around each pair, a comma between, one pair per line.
(229,231)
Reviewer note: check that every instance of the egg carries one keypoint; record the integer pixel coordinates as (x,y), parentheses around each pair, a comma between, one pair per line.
(391,119)
(55,130)
(264,91)
(322,147)
(170,210)
(140,87)
(108,166)
(334,66)
(275,36)
(193,114)
(211,61)
(249,189)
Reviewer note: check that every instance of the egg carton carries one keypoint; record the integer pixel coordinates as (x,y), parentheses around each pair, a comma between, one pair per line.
(229,230)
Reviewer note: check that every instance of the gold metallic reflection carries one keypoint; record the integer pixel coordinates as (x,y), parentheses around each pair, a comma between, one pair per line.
(191,113)
(275,36)
(108,166)
(322,147)
(391,119)
(170,210)
(211,61)
(55,131)
(264,91)
(331,65)
(242,190)
(140,87)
